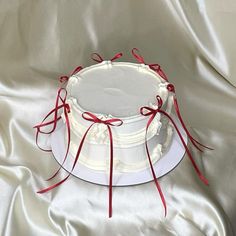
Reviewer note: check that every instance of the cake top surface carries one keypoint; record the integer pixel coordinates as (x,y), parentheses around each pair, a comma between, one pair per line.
(118,89)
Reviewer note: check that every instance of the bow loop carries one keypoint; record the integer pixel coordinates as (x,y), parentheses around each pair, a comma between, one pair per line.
(159,102)
(62,94)
(147,111)
(137,55)
(76,70)
(117,56)
(113,122)
(91,117)
(65,78)
(98,58)
(156,67)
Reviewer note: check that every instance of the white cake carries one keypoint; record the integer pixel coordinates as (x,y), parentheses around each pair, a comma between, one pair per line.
(118,89)
(118,119)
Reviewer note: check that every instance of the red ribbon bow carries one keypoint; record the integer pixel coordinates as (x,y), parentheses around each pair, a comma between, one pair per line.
(65,78)
(171,88)
(96,57)
(66,109)
(109,122)
(155,67)
(148,111)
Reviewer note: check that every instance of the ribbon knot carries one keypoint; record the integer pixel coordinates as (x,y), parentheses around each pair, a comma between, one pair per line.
(98,58)
(147,111)
(171,88)
(91,117)
(67,107)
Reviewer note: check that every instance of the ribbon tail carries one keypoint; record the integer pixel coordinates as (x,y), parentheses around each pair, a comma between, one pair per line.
(202,144)
(55,174)
(53,186)
(152,169)
(111,171)
(68,146)
(201,176)
(74,164)
(162,74)
(193,140)
(96,57)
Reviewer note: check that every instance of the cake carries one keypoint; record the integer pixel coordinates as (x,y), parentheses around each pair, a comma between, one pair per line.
(118,90)
(118,119)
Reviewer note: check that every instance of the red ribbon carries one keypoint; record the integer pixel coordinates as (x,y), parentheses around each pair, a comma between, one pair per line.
(148,111)
(171,88)
(153,114)
(155,67)
(96,57)
(65,78)
(109,122)
(66,109)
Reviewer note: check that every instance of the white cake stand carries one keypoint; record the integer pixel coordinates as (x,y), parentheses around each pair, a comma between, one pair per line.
(167,163)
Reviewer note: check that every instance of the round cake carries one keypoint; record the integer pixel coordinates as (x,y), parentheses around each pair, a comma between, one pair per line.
(118,90)
(117,125)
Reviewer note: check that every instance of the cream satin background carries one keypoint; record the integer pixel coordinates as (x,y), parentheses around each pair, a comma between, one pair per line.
(194,41)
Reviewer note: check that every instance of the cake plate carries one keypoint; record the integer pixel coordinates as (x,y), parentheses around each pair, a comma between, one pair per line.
(167,163)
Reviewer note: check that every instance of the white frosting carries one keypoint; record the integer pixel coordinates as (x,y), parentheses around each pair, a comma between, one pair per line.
(98,134)
(118,90)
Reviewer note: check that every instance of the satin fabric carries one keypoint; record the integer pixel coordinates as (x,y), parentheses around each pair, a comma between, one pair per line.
(193,41)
